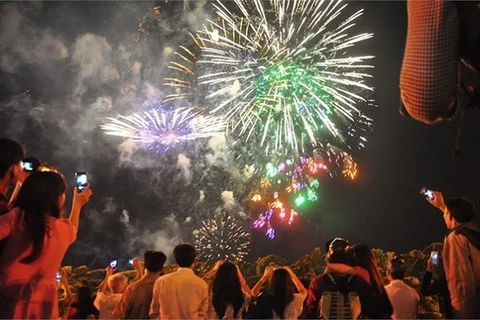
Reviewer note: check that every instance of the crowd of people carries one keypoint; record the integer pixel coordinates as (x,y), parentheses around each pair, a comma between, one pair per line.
(34,237)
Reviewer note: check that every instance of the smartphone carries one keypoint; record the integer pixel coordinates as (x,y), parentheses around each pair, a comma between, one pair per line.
(427,193)
(130,261)
(59,277)
(113,263)
(27,166)
(81,180)
(434,257)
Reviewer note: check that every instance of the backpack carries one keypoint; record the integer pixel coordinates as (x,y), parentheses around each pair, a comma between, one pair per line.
(339,301)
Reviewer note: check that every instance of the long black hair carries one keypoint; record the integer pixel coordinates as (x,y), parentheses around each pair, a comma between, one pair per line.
(282,290)
(364,258)
(84,304)
(226,289)
(38,199)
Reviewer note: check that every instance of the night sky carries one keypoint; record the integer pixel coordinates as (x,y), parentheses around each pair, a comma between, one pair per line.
(65,66)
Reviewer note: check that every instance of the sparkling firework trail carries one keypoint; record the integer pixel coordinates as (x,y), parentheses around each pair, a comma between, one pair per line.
(279,74)
(223,237)
(162,129)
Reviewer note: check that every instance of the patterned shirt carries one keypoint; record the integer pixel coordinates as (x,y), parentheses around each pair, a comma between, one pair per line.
(430,70)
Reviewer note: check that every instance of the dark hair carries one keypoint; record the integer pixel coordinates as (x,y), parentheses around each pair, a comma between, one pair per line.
(282,290)
(154,260)
(397,268)
(38,199)
(364,258)
(84,304)
(461,209)
(11,153)
(227,289)
(184,255)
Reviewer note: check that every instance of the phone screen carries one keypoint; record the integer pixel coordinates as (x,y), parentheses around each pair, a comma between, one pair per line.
(27,166)
(427,193)
(434,257)
(130,261)
(113,263)
(81,180)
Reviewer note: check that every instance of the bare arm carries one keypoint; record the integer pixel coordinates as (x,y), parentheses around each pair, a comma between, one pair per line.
(138,268)
(79,200)
(103,286)
(266,276)
(340,268)
(243,283)
(68,292)
(213,272)
(298,284)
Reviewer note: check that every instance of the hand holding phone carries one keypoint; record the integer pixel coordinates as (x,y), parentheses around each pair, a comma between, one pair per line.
(434,257)
(82,181)
(427,193)
(113,264)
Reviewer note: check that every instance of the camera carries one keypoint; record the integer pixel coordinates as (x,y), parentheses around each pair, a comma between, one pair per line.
(81,180)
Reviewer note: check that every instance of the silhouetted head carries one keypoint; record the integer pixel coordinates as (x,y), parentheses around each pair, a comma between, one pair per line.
(154,260)
(184,255)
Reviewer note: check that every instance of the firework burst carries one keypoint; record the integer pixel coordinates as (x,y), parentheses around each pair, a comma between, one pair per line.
(162,129)
(223,237)
(279,73)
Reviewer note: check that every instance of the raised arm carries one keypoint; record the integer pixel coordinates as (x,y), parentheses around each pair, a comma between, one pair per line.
(298,284)
(79,200)
(138,268)
(340,268)
(213,271)
(243,283)
(103,286)
(266,276)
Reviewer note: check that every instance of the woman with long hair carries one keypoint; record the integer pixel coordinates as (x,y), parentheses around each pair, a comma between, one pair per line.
(37,239)
(281,301)
(366,267)
(82,306)
(230,294)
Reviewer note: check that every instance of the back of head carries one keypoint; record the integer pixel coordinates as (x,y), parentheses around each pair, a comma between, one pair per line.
(84,296)
(39,198)
(154,260)
(339,252)
(11,153)
(461,209)
(364,258)
(226,289)
(281,287)
(396,268)
(184,255)
(117,283)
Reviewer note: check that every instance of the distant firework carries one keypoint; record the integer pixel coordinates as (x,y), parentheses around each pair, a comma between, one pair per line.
(162,129)
(223,237)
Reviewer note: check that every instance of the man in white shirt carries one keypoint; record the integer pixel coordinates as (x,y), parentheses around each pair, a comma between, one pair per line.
(106,301)
(181,294)
(404,299)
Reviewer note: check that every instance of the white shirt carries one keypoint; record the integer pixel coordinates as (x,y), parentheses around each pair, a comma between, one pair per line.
(106,303)
(294,309)
(404,300)
(180,295)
